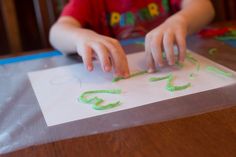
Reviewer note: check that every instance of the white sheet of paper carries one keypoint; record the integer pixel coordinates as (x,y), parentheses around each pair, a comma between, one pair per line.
(57,90)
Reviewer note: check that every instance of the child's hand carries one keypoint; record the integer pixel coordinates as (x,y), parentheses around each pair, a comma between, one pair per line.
(108,50)
(162,39)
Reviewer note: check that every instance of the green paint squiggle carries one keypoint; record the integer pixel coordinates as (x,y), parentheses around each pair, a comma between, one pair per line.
(116,79)
(212,51)
(106,107)
(170,86)
(191,59)
(153,79)
(96,102)
(219,71)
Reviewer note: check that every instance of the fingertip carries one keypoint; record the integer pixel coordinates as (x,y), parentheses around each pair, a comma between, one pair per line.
(107,68)
(171,60)
(171,63)
(118,74)
(151,70)
(181,60)
(160,63)
(89,67)
(126,75)
(182,56)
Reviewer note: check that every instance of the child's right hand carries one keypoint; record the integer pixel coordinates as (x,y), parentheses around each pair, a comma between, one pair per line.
(109,52)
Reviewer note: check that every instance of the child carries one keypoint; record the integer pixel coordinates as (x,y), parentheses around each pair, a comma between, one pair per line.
(92,27)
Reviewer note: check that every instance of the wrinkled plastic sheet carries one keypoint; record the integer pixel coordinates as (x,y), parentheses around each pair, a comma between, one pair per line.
(22,123)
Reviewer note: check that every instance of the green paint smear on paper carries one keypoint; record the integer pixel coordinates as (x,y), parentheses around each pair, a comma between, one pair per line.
(96,102)
(177,63)
(170,87)
(116,79)
(180,65)
(192,76)
(154,79)
(212,51)
(219,71)
(106,107)
(191,59)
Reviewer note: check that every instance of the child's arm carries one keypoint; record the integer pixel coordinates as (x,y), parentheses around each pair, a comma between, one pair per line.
(67,36)
(193,16)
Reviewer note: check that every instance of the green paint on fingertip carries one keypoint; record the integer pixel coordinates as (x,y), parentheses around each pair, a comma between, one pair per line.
(219,71)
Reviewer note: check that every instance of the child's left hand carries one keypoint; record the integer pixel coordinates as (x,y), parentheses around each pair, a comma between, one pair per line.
(163,38)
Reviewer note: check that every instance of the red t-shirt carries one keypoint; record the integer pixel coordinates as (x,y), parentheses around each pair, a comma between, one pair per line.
(121,18)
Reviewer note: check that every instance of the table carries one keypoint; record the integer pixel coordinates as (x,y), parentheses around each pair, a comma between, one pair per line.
(208,130)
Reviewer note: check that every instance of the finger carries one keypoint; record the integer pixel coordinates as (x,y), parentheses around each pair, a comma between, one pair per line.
(87,56)
(181,42)
(118,57)
(150,63)
(103,55)
(168,43)
(156,49)
(149,58)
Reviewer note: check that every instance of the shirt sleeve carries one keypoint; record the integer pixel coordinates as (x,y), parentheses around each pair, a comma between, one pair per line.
(78,9)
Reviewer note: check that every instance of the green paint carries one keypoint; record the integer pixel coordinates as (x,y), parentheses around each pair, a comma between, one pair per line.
(163,55)
(212,51)
(194,61)
(178,88)
(190,58)
(180,65)
(198,67)
(106,107)
(170,87)
(153,79)
(116,79)
(192,76)
(97,101)
(219,71)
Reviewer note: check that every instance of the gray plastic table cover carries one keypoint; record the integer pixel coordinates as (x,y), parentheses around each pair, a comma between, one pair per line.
(22,123)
